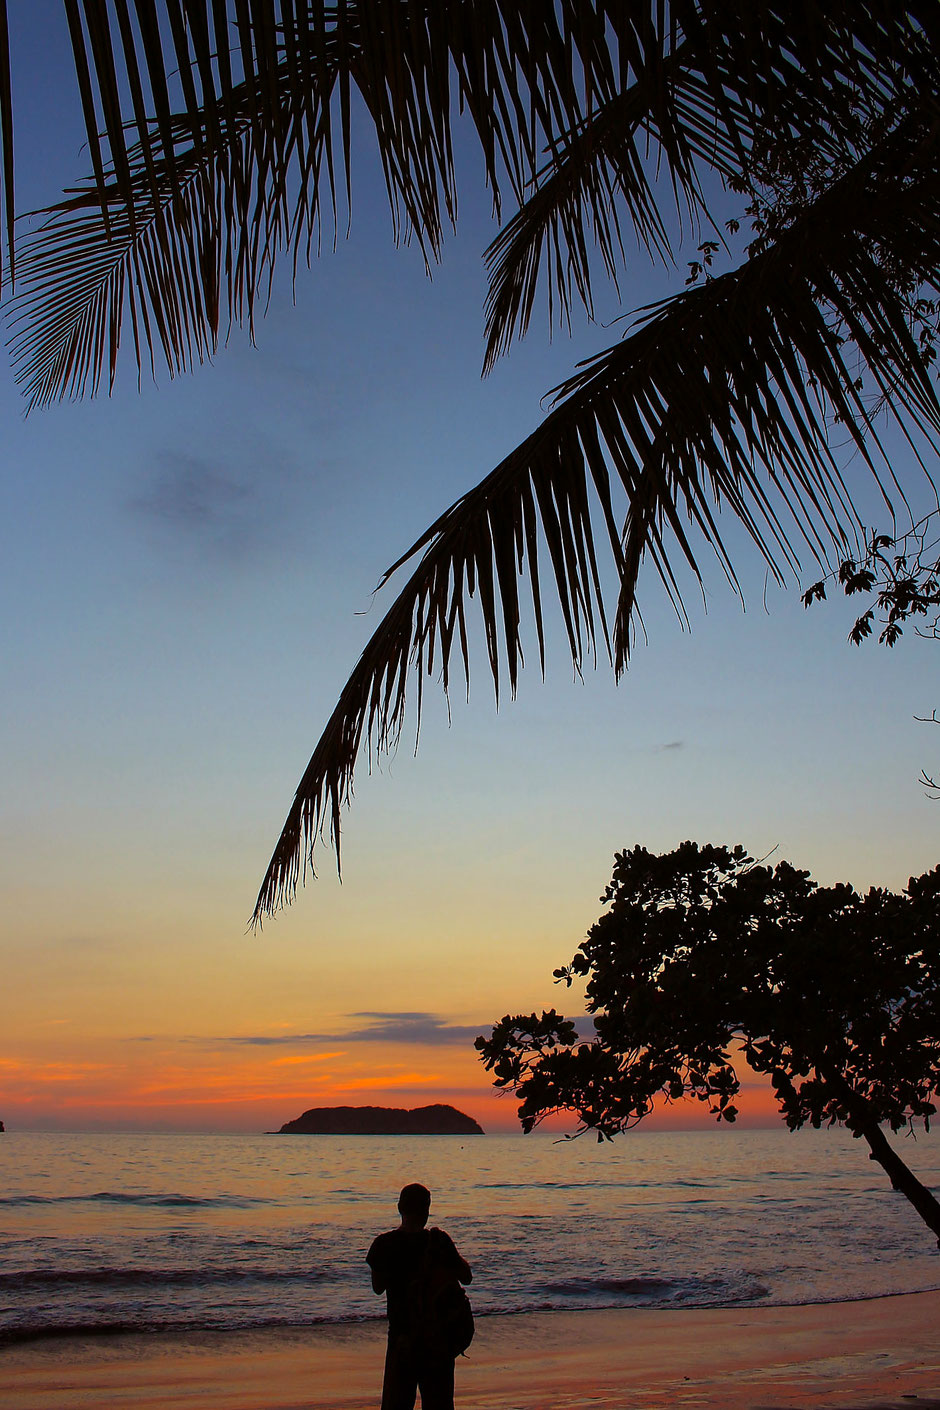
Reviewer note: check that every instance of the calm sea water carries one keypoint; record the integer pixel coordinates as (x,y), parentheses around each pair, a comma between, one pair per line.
(155,1233)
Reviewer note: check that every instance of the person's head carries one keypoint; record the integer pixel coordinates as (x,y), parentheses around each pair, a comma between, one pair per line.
(414,1205)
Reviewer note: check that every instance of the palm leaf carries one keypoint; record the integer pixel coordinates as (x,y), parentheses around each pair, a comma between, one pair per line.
(573,206)
(201,179)
(175,271)
(723,90)
(212,190)
(723,396)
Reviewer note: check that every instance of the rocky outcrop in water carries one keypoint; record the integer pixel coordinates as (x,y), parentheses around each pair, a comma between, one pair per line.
(437,1120)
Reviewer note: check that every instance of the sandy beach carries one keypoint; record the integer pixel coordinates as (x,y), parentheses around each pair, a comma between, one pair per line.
(882,1352)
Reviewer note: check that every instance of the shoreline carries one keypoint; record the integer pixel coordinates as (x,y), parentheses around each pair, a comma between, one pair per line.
(103,1334)
(882,1351)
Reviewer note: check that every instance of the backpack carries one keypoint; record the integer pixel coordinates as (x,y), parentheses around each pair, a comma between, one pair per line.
(451,1320)
(442,1318)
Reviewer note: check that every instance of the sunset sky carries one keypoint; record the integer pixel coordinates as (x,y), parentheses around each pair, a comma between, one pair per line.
(187,578)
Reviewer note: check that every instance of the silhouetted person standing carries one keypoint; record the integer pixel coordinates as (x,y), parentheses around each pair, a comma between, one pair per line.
(414,1266)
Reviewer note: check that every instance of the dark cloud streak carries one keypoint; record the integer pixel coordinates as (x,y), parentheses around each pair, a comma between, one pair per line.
(405,1027)
(425,1028)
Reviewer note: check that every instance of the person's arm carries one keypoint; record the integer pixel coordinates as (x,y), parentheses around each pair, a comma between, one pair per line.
(375,1268)
(464,1271)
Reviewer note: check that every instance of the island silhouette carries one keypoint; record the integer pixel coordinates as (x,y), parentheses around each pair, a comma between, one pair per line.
(435,1120)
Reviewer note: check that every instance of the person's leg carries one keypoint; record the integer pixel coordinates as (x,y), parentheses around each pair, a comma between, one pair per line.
(400,1386)
(436,1382)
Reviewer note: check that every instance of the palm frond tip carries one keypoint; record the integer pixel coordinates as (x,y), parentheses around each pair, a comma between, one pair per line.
(724,396)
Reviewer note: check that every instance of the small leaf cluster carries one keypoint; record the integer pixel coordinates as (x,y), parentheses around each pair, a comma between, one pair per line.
(903,574)
(697,267)
(706,962)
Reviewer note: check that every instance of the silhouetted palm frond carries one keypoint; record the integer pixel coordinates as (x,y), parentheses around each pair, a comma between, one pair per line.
(264,141)
(574,208)
(221,135)
(732,83)
(724,396)
(177,271)
(202,178)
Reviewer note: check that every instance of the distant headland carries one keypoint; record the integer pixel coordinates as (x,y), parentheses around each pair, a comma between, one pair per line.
(437,1120)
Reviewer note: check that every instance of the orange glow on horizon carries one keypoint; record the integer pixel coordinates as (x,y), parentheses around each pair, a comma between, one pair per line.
(255,1090)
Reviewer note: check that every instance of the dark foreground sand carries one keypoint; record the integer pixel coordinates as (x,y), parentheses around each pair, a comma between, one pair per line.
(884,1352)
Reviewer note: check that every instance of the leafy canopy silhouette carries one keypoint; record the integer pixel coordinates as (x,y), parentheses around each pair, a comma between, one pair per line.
(220,139)
(706,960)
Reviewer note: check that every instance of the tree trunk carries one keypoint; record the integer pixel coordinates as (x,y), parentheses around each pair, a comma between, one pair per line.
(860,1123)
(902,1178)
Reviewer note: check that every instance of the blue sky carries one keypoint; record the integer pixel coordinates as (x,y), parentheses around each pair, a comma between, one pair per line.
(188,574)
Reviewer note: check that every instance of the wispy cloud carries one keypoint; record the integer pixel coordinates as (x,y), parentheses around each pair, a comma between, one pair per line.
(235,509)
(408,1027)
(192,495)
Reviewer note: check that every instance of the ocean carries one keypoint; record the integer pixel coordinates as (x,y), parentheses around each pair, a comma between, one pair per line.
(104,1234)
